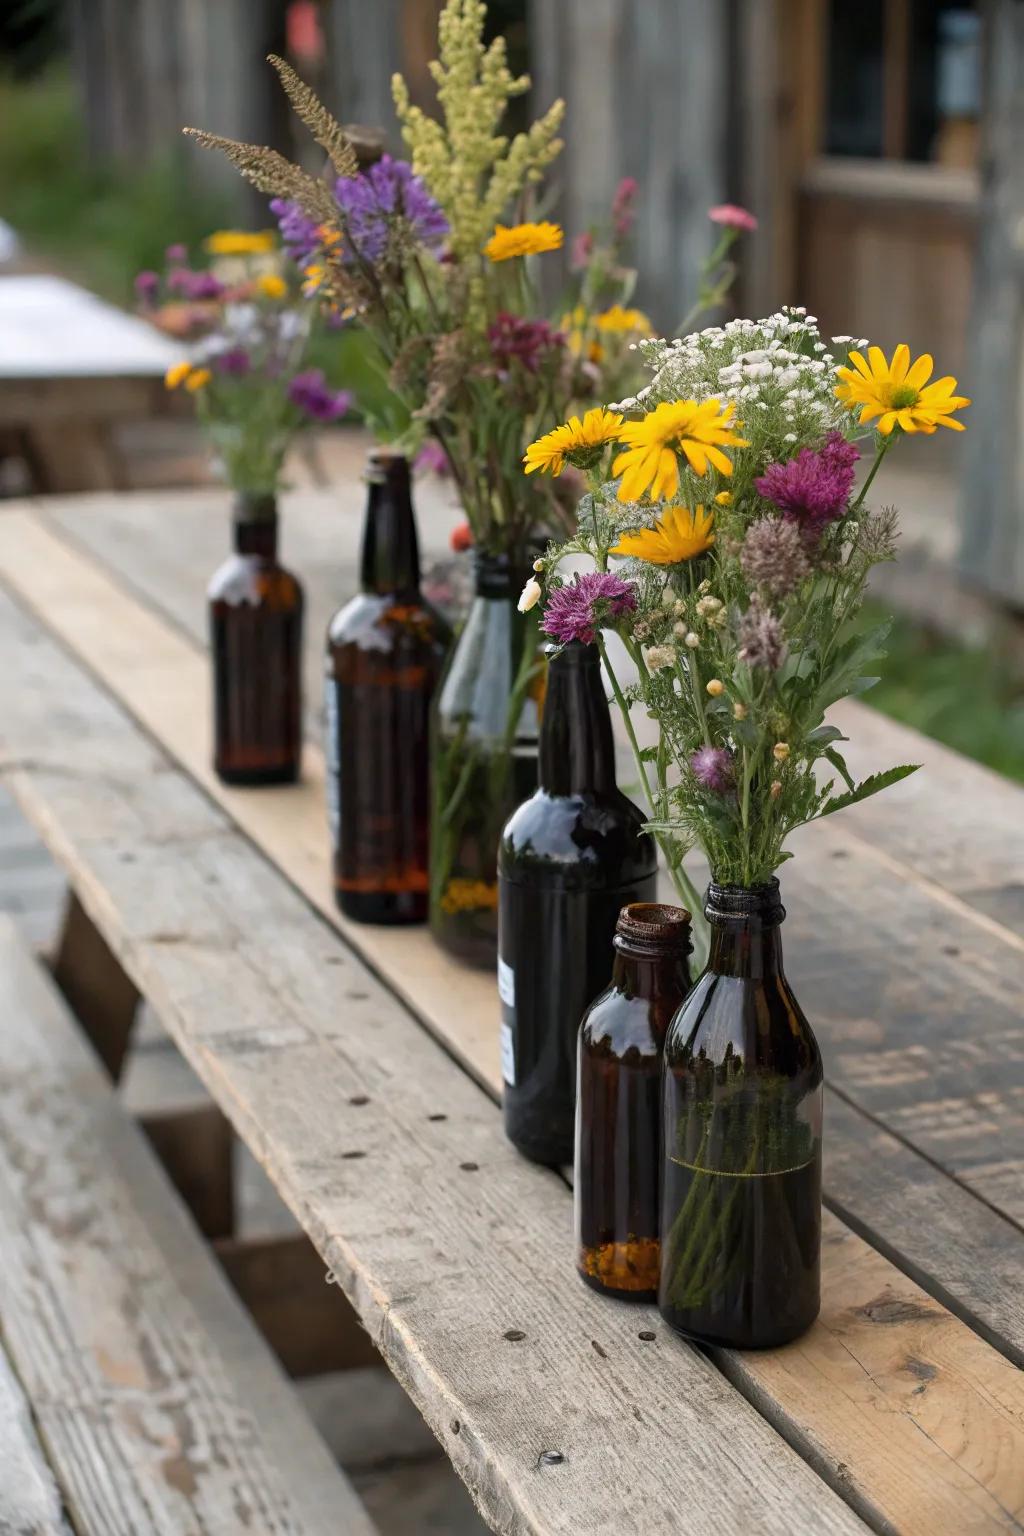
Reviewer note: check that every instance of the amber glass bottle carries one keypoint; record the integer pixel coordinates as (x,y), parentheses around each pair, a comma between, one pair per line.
(255,613)
(385,651)
(618,1102)
(741,1180)
(570,858)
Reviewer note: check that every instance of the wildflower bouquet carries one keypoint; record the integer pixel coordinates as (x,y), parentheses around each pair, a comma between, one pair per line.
(732,553)
(250,330)
(418,256)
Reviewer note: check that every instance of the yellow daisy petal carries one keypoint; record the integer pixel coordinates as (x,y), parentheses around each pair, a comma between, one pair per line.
(898,393)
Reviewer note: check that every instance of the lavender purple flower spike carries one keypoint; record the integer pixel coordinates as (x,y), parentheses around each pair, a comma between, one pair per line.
(375,201)
(815,486)
(300,233)
(712,767)
(577,611)
(311,393)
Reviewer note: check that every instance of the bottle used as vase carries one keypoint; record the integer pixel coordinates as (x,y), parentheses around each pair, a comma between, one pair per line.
(385,653)
(571,857)
(255,610)
(483,758)
(618,1102)
(742,1107)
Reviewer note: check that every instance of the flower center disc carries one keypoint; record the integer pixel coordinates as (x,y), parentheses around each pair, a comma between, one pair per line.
(902,395)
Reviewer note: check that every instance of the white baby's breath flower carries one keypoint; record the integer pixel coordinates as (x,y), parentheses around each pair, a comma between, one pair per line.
(658,656)
(692,641)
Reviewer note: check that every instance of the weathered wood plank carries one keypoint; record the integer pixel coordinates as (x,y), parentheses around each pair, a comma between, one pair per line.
(160,1407)
(453,1250)
(195,1146)
(29,1500)
(901,1033)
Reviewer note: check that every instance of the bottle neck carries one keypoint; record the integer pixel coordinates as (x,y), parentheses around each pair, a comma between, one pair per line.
(254,525)
(746,937)
(391,556)
(577,752)
(653,944)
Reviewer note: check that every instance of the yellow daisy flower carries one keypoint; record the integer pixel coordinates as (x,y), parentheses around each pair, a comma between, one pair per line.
(579,441)
(618,319)
(271,286)
(198,379)
(177,374)
(678,535)
(523,240)
(898,393)
(241,242)
(650,461)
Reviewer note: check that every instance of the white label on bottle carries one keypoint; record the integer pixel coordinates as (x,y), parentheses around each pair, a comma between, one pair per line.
(508,1055)
(506,983)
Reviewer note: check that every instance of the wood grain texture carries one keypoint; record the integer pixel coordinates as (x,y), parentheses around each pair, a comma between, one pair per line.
(29,1500)
(457,1254)
(899,1021)
(160,1408)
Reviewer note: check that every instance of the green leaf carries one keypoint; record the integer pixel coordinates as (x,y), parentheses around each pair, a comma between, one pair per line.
(838,761)
(868,787)
(824,735)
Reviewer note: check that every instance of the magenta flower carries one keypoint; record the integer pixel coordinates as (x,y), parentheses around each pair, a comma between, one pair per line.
(432,460)
(712,767)
(194,285)
(814,487)
(579,610)
(147,285)
(732,216)
(176,253)
(624,206)
(514,339)
(234,361)
(581,251)
(312,394)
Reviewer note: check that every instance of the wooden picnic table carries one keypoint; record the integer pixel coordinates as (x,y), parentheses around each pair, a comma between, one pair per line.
(72,367)
(361,1068)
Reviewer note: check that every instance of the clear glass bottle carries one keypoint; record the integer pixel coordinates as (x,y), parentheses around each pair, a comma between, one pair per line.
(571,857)
(385,653)
(255,610)
(742,1113)
(484,757)
(618,1102)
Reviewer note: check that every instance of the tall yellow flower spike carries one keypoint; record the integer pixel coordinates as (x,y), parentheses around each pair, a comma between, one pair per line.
(678,535)
(650,461)
(898,393)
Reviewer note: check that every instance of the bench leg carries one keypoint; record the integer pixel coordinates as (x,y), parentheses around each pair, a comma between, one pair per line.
(309,1324)
(97,989)
(196,1147)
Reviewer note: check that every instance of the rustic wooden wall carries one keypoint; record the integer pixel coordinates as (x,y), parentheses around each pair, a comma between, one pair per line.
(992,523)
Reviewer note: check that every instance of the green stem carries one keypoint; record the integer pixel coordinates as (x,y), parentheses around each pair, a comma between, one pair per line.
(883,449)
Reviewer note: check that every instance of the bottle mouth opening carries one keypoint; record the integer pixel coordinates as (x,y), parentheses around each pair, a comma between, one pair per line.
(725,904)
(655,925)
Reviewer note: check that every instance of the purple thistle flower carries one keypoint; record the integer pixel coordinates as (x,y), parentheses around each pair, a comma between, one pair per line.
(300,233)
(815,486)
(515,339)
(194,285)
(713,768)
(234,361)
(389,199)
(311,393)
(774,556)
(147,285)
(578,611)
(761,639)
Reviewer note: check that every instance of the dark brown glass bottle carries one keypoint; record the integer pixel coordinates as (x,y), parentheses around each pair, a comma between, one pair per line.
(741,1180)
(570,858)
(385,651)
(618,1102)
(255,613)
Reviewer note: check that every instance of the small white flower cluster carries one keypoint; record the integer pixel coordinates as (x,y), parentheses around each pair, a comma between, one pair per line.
(778,366)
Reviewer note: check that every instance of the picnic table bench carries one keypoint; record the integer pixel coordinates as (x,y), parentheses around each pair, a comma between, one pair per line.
(361,1068)
(72,367)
